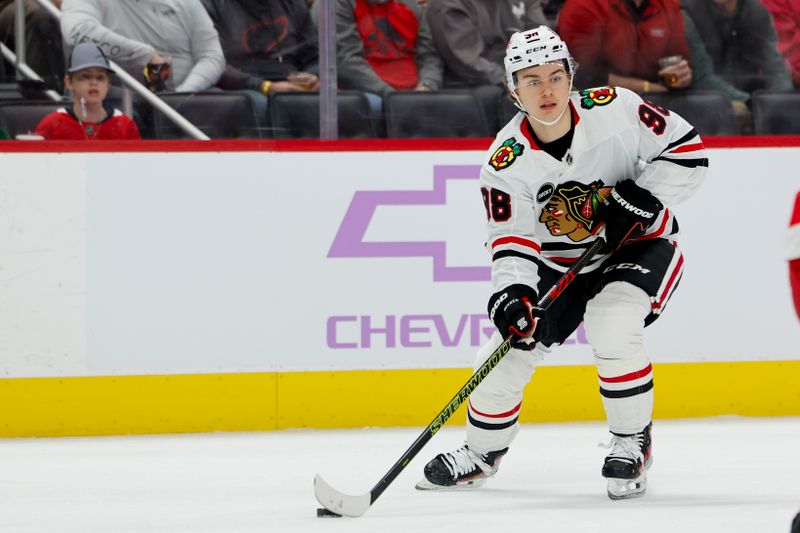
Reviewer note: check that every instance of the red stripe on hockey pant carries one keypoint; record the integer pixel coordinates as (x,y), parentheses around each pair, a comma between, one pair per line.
(501,415)
(629,377)
(663,296)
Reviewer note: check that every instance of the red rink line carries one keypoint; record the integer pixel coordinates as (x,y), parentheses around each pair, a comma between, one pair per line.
(365,145)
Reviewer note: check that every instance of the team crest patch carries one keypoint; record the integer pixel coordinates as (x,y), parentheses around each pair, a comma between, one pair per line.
(599,96)
(571,210)
(505,156)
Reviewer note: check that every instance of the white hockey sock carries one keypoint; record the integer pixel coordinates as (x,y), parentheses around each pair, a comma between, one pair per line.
(628,399)
(614,322)
(493,410)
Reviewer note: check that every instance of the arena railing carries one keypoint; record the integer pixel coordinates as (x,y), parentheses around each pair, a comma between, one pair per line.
(127,80)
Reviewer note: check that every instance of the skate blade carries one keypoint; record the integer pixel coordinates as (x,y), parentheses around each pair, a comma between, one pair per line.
(424,484)
(626,489)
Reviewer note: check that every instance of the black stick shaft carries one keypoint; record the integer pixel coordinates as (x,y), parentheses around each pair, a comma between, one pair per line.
(461,396)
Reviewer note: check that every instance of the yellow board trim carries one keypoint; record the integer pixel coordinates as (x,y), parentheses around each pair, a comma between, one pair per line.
(46,407)
(54,407)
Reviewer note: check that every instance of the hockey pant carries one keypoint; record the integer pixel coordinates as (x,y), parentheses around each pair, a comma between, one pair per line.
(614,323)
(614,320)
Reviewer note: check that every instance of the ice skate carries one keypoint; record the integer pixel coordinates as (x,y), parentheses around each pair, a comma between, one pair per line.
(626,465)
(462,468)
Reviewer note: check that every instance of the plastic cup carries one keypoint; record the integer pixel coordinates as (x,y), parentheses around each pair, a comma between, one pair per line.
(670,79)
(303,79)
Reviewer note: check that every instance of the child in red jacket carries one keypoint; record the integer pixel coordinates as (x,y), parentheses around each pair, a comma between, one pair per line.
(89,118)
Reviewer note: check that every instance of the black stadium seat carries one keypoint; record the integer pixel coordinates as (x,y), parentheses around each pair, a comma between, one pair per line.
(296,115)
(453,114)
(220,115)
(10,92)
(776,113)
(23,117)
(709,112)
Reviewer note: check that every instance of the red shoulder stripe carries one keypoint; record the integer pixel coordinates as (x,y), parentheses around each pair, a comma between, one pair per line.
(688,148)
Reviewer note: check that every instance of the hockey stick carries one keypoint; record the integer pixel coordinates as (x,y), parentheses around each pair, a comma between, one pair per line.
(346,505)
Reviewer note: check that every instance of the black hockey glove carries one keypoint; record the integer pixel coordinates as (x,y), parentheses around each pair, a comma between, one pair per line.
(513,311)
(628,212)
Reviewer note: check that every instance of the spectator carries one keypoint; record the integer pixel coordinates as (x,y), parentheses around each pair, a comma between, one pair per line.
(43,48)
(703,75)
(786,18)
(172,41)
(740,38)
(551,8)
(621,42)
(704,78)
(471,36)
(383,46)
(271,47)
(89,118)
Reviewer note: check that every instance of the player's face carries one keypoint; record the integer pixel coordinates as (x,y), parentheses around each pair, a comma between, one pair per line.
(544,90)
(91,83)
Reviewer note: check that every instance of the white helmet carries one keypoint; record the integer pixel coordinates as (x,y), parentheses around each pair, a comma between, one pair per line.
(535,47)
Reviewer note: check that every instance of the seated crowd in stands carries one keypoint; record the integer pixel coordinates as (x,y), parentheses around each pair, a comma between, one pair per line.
(260,49)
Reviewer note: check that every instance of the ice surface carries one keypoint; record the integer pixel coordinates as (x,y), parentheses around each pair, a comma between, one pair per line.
(725,475)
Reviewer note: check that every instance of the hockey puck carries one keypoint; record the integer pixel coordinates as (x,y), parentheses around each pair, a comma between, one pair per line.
(324,513)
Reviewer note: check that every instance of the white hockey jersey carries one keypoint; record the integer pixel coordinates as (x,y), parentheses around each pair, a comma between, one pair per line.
(542,210)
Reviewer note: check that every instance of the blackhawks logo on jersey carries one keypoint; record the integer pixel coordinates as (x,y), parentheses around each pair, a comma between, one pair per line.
(572,209)
(505,156)
(597,96)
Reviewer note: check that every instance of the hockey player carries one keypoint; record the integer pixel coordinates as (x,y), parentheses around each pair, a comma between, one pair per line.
(566,166)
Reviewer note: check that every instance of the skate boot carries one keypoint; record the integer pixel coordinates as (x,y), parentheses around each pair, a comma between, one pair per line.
(626,465)
(462,468)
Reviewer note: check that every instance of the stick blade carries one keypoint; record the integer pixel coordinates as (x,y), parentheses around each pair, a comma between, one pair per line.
(339,503)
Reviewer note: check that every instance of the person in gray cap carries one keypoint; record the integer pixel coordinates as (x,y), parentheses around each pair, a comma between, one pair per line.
(90,118)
